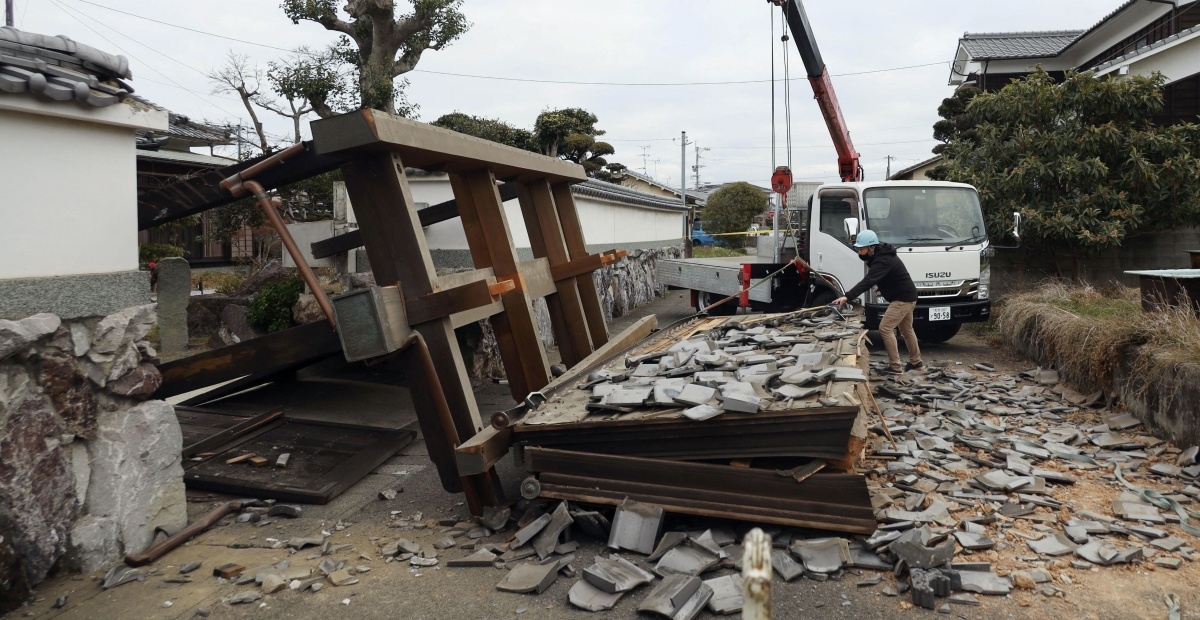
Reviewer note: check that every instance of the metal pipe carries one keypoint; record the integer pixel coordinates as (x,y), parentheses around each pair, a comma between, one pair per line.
(442,407)
(242,183)
(235,183)
(306,272)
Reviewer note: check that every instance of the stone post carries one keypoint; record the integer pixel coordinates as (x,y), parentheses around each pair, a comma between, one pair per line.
(174,290)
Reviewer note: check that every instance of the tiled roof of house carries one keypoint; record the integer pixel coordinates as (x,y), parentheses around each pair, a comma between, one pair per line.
(183,127)
(999,45)
(619,193)
(59,69)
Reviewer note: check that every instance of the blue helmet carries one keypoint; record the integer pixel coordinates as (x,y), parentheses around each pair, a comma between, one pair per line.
(866,238)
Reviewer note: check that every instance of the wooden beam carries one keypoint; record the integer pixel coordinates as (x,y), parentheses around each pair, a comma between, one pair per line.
(534,273)
(440,212)
(202,191)
(546,239)
(433,148)
(298,346)
(564,203)
(391,230)
(488,236)
(483,451)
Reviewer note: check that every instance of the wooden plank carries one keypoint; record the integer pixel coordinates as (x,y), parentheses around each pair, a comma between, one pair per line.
(440,212)
(397,250)
(298,346)
(433,148)
(535,273)
(202,191)
(211,443)
(566,311)
(580,266)
(490,240)
(483,451)
(568,217)
(447,302)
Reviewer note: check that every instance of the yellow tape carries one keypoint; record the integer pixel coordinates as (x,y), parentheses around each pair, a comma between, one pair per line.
(750,233)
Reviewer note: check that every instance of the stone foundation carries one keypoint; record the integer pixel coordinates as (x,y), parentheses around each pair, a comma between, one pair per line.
(88,467)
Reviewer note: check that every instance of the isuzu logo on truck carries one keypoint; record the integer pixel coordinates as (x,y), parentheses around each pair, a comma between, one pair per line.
(938,274)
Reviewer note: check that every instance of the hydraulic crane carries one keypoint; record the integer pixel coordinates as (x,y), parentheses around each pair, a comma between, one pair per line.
(818,77)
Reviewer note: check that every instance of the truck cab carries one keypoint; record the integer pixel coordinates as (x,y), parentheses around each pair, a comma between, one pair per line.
(938,231)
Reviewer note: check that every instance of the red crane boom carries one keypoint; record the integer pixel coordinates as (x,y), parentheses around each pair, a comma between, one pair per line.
(818,77)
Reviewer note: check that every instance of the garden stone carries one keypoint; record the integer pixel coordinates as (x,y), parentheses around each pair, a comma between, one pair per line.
(140,383)
(37,487)
(70,391)
(18,335)
(137,478)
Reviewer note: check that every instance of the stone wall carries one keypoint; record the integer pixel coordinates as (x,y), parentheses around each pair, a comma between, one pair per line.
(1015,270)
(88,466)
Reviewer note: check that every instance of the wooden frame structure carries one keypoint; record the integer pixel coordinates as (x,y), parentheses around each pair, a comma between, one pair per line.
(373,149)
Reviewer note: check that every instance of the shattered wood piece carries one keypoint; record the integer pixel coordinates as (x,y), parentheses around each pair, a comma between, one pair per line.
(258,461)
(228,571)
(240,458)
(545,540)
(526,578)
(282,459)
(616,574)
(590,598)
(635,527)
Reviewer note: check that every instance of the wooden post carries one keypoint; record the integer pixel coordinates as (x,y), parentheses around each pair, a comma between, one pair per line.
(396,247)
(564,203)
(488,236)
(546,240)
(756,576)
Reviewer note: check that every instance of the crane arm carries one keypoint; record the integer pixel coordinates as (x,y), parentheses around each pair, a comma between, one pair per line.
(818,78)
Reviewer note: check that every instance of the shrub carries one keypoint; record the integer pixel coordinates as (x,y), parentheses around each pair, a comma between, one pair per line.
(154,252)
(271,308)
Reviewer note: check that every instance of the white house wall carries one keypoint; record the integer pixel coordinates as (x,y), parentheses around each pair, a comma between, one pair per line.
(68,201)
(604,222)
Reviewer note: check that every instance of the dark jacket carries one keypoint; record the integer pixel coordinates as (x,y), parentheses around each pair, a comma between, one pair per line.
(885,270)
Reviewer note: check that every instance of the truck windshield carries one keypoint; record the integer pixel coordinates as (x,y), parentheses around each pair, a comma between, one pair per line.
(925,215)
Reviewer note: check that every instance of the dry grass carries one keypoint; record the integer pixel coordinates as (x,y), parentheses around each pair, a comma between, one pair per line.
(1083,332)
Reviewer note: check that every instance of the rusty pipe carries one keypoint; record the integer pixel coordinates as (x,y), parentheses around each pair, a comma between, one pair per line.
(434,385)
(236,183)
(306,272)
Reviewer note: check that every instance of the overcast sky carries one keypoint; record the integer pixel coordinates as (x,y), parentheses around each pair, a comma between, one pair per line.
(889,112)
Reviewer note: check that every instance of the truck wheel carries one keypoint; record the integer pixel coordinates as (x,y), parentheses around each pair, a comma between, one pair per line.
(728,308)
(936,334)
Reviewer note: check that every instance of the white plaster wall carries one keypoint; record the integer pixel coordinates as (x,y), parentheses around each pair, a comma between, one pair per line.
(68,197)
(603,222)
(1180,60)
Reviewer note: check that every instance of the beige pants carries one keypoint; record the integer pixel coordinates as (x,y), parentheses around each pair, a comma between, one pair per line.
(899,314)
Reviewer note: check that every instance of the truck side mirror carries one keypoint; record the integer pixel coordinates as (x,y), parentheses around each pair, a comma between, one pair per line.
(1016,233)
(850,224)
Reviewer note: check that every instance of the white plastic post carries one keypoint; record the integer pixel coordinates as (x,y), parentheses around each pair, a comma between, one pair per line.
(756,576)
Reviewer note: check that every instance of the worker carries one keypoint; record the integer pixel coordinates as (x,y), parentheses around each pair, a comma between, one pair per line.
(886,271)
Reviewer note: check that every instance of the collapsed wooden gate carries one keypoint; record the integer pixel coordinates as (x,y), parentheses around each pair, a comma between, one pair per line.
(373,149)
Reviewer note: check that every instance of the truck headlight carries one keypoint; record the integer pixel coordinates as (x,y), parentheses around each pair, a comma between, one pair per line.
(985,280)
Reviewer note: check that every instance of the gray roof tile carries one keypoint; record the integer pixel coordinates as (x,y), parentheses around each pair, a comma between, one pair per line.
(59,69)
(999,45)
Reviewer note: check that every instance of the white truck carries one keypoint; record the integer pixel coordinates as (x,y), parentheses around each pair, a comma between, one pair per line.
(936,227)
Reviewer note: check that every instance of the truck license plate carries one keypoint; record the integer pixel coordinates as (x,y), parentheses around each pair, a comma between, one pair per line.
(939,314)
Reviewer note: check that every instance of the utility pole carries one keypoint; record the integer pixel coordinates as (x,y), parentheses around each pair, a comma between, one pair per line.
(888,174)
(645,156)
(696,168)
(8,13)
(687,231)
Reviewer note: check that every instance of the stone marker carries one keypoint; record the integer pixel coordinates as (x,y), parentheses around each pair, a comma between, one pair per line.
(174,291)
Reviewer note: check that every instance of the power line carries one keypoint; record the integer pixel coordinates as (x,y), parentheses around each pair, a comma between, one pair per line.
(513,79)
